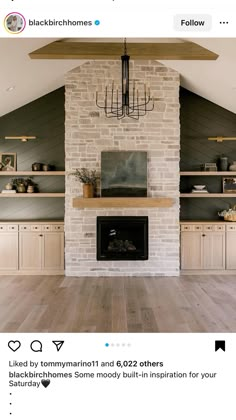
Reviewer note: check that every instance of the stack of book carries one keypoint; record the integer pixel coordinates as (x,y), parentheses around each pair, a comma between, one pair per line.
(209,167)
(8,191)
(199,189)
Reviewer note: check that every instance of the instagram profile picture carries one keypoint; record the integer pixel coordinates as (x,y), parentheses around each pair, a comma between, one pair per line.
(14,23)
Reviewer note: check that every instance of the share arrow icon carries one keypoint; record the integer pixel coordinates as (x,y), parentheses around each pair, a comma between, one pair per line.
(58,344)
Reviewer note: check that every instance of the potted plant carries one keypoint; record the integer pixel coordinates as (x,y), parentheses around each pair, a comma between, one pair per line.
(22,184)
(31,185)
(88,178)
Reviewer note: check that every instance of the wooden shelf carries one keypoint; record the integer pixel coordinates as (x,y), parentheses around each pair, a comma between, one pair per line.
(207,195)
(111,202)
(32,221)
(31,195)
(204,222)
(206,173)
(31,173)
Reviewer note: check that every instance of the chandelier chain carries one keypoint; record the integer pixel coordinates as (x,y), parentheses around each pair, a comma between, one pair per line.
(125,47)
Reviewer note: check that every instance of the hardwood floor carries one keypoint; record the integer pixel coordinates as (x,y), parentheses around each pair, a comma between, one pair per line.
(119,304)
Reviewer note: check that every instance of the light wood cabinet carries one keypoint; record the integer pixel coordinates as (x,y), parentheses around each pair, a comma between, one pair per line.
(203,247)
(41,251)
(32,248)
(8,251)
(30,245)
(213,247)
(191,250)
(231,247)
(53,251)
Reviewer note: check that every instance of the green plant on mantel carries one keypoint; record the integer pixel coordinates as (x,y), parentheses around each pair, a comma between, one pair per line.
(86,176)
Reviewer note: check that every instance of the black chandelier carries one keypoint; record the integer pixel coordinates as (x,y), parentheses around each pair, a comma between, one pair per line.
(131,104)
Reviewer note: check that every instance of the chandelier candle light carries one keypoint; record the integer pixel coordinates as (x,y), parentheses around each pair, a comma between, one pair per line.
(131,105)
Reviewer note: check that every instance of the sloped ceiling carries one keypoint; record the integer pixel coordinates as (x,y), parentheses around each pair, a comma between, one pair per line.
(31,79)
(213,80)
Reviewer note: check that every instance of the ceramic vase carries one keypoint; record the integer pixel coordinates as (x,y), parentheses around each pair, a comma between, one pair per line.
(223,163)
(21,188)
(30,189)
(233,166)
(8,186)
(87,190)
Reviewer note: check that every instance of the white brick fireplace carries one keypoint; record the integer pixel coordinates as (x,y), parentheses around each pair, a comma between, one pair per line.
(88,132)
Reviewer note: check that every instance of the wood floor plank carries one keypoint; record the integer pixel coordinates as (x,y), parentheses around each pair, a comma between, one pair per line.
(118,304)
(133,313)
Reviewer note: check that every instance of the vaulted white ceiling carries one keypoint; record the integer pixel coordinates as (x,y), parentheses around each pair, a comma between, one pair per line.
(213,80)
(31,79)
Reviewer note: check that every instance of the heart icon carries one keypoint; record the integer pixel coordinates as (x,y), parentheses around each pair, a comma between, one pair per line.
(14,345)
(45,382)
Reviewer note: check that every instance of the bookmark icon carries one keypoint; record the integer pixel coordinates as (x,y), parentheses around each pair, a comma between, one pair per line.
(220,344)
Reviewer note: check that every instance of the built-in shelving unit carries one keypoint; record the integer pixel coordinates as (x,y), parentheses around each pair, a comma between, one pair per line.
(207,195)
(32,247)
(31,195)
(206,173)
(32,173)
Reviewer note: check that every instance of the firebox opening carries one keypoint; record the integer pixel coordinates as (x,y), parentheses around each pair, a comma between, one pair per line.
(122,238)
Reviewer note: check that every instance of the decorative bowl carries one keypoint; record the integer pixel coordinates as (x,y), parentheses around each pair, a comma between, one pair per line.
(199,187)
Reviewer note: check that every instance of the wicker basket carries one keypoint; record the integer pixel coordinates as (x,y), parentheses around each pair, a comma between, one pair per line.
(230,217)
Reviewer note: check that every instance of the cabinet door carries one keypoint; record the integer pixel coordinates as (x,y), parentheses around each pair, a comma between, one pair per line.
(231,250)
(191,250)
(8,251)
(214,251)
(53,251)
(30,250)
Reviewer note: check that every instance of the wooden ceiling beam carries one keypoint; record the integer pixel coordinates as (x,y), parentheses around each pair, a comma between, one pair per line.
(113,50)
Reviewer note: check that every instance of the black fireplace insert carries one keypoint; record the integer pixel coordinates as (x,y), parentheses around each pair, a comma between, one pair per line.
(122,238)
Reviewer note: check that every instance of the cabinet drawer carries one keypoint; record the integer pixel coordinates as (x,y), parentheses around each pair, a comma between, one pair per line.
(46,228)
(11,228)
(186,227)
(3,228)
(219,228)
(36,228)
(208,228)
(197,228)
(230,227)
(58,228)
(25,228)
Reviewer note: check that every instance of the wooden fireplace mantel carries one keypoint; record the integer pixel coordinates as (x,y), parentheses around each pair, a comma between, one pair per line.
(135,202)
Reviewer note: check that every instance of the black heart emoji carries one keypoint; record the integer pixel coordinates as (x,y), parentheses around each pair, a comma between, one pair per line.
(14,345)
(45,382)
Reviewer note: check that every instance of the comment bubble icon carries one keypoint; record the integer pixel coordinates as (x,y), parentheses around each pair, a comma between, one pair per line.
(36,346)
